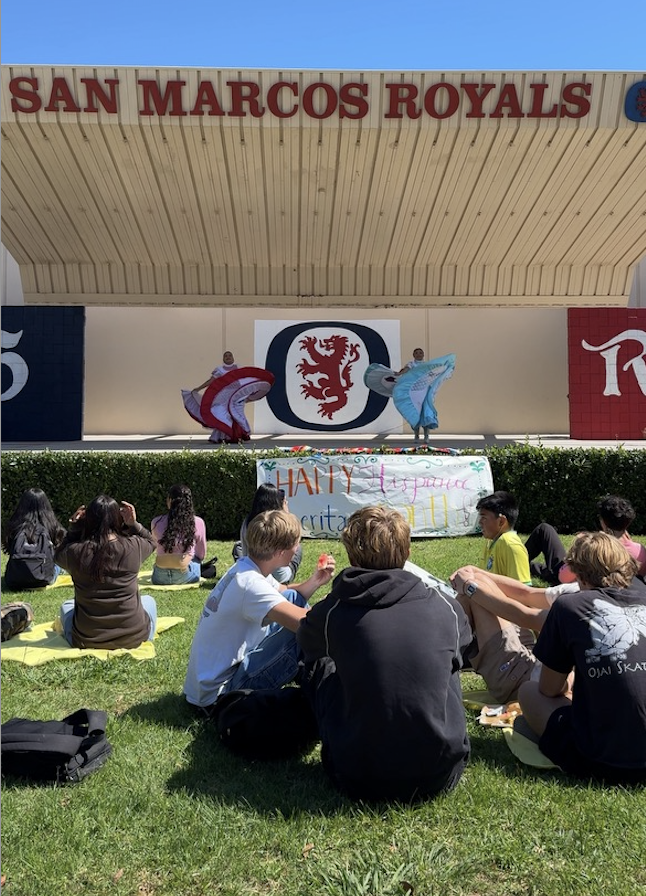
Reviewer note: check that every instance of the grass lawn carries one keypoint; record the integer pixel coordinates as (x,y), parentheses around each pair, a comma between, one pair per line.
(173,813)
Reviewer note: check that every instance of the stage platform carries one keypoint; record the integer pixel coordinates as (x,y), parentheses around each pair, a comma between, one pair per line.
(199,442)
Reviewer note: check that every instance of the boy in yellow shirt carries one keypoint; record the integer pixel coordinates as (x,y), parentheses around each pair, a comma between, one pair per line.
(504,553)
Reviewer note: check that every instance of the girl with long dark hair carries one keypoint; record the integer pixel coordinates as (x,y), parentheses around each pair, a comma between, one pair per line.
(103,552)
(181,540)
(33,527)
(268,497)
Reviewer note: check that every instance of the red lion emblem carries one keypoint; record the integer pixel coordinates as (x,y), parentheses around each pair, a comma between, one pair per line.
(329,373)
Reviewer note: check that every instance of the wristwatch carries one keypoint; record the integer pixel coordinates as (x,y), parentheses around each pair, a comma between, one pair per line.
(470,588)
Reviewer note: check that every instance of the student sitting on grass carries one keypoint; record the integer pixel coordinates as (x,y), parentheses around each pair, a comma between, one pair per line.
(501,610)
(103,552)
(181,540)
(504,553)
(268,497)
(615,516)
(599,731)
(382,654)
(245,636)
(32,534)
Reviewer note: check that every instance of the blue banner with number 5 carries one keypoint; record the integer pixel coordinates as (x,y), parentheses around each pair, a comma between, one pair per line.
(43,363)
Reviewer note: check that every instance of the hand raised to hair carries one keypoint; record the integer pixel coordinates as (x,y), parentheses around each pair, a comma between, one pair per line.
(78,514)
(128,513)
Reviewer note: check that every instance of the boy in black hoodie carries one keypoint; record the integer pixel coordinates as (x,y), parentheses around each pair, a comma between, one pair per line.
(382,654)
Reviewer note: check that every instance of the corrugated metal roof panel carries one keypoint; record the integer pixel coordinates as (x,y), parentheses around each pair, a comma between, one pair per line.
(446,202)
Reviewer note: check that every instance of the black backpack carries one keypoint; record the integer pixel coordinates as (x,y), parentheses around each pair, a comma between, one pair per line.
(30,565)
(64,752)
(270,723)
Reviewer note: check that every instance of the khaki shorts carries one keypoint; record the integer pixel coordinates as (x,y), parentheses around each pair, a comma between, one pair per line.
(505,663)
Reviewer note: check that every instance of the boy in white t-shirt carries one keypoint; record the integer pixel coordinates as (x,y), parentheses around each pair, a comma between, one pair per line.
(246,635)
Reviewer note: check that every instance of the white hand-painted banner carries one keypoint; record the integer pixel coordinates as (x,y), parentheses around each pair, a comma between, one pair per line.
(437,495)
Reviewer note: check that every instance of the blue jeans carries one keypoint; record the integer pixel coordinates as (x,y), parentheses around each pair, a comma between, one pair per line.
(58,571)
(177,576)
(67,616)
(274,662)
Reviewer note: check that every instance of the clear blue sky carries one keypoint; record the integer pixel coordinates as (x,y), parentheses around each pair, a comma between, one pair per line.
(431,35)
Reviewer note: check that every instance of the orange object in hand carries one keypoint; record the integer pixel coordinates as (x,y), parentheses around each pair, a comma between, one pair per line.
(323,561)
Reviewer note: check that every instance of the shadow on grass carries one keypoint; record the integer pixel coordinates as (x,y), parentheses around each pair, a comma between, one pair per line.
(292,786)
(488,747)
(287,786)
(299,785)
(170,709)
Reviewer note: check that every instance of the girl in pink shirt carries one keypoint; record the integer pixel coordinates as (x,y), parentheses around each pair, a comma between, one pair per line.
(181,540)
(615,515)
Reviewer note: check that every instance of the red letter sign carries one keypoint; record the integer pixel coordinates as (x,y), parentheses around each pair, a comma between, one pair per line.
(172,95)
(30,96)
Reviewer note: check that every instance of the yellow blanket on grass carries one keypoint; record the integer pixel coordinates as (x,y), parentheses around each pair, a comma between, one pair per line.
(520,740)
(65,581)
(44,643)
(477,699)
(518,736)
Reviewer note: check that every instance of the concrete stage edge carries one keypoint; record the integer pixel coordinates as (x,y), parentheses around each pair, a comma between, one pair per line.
(260,442)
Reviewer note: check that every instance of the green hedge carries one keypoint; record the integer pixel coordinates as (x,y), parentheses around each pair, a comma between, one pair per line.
(558,485)
(561,486)
(223,482)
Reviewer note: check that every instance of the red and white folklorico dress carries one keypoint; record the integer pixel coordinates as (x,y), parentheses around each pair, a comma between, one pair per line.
(221,406)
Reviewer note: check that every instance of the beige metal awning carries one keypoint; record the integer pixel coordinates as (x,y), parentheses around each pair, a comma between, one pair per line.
(114,192)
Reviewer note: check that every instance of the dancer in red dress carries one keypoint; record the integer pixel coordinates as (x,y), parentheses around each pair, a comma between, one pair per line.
(221,406)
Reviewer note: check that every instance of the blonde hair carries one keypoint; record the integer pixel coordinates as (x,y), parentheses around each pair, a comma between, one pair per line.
(272,531)
(601,561)
(377,538)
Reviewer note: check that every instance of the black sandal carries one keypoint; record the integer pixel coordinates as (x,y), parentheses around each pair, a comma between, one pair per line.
(208,569)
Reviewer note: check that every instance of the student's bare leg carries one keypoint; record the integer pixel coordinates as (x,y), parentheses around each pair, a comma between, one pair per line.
(537,707)
(484,623)
(465,603)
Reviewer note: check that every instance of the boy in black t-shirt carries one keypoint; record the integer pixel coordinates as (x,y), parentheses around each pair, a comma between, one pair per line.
(600,730)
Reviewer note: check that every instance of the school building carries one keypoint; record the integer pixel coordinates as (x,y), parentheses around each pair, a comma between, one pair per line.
(154,218)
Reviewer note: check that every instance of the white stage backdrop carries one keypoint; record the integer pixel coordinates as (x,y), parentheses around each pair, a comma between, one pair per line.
(437,495)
